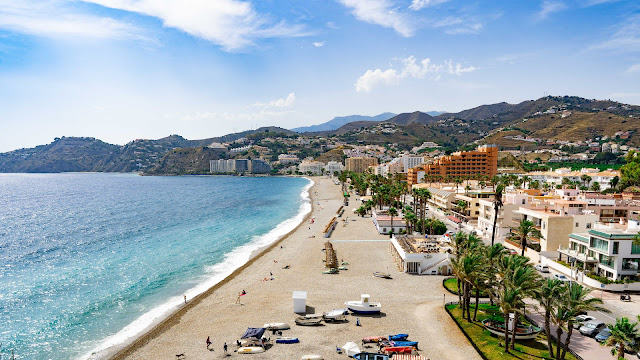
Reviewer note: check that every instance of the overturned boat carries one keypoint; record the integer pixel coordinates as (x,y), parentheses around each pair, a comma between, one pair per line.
(382,275)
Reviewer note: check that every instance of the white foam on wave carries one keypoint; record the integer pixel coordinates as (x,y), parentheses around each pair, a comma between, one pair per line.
(216,273)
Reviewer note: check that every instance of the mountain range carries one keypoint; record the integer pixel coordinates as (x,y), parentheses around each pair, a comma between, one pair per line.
(550,117)
(340,121)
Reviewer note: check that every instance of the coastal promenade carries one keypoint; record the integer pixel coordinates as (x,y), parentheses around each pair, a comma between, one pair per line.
(411,304)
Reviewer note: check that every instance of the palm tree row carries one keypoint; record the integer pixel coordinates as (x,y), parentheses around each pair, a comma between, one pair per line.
(509,280)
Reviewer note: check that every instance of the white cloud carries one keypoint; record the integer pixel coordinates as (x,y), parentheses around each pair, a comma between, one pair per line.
(319,43)
(466,29)
(625,37)
(421,4)
(54,19)
(279,103)
(233,24)
(634,68)
(410,69)
(380,12)
(548,8)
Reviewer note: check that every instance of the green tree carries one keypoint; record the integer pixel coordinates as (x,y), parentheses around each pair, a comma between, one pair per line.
(524,231)
(361,211)
(549,295)
(497,204)
(392,212)
(623,335)
(595,186)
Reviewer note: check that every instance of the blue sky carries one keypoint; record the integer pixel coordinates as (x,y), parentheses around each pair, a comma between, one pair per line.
(119,70)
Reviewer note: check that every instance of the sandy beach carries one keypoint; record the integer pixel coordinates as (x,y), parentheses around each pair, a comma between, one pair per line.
(411,304)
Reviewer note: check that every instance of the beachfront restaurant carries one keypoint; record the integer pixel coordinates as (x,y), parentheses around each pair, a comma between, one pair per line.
(421,255)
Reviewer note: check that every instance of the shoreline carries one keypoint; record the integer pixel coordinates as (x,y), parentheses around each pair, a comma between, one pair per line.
(172,315)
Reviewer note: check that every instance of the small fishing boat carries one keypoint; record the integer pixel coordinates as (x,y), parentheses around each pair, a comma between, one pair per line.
(370,356)
(364,306)
(405,343)
(277,326)
(382,275)
(398,337)
(398,350)
(331,271)
(522,332)
(250,350)
(373,339)
(312,357)
(308,320)
(287,340)
(335,315)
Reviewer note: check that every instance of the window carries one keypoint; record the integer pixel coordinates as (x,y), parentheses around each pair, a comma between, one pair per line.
(615,247)
(599,244)
(577,224)
(635,249)
(588,225)
(606,261)
(630,264)
(524,201)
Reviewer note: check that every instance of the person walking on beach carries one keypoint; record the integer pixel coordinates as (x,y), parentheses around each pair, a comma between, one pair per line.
(243,293)
(225,348)
(185,298)
(208,342)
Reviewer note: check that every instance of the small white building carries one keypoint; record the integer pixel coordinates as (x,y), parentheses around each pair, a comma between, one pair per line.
(420,255)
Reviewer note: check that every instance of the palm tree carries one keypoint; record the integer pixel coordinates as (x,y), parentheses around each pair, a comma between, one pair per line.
(361,211)
(623,334)
(525,230)
(497,204)
(586,179)
(462,207)
(577,302)
(614,182)
(550,292)
(595,186)
(392,212)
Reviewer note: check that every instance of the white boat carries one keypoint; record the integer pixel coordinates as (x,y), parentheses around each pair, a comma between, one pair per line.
(335,315)
(382,275)
(277,326)
(250,350)
(364,306)
(311,357)
(522,332)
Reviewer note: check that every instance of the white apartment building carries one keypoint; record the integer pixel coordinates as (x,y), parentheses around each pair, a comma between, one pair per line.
(511,202)
(288,159)
(333,167)
(606,250)
(314,167)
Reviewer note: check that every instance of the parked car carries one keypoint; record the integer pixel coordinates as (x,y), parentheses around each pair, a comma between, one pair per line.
(591,328)
(603,335)
(542,268)
(560,277)
(512,252)
(580,320)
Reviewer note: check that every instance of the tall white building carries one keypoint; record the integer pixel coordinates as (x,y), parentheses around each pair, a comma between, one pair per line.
(334,166)
(314,167)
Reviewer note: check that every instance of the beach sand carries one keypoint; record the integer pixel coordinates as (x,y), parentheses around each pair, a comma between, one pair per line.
(411,304)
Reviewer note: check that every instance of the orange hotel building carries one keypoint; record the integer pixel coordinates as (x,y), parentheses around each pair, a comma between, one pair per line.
(482,161)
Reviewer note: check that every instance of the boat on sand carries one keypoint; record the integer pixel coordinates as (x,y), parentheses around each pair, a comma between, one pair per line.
(308,320)
(373,339)
(287,340)
(382,275)
(335,315)
(370,356)
(250,350)
(364,306)
(277,326)
(312,357)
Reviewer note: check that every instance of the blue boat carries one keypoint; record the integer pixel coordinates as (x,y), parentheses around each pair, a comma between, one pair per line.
(405,343)
(287,340)
(370,356)
(398,337)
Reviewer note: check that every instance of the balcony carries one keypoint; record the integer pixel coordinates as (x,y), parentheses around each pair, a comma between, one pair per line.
(574,254)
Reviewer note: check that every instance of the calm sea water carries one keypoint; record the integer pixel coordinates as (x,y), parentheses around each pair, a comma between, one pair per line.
(88,260)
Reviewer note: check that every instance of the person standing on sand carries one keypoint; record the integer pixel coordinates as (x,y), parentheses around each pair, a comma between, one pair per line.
(225,348)
(243,293)
(208,342)
(185,298)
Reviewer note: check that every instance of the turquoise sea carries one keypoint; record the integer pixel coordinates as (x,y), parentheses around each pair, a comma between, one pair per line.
(89,260)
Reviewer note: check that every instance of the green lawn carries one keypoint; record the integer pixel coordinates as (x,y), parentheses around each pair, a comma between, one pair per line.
(452,285)
(489,344)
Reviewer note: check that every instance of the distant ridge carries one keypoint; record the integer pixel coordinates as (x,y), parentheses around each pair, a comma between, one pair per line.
(339,121)
(415,117)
